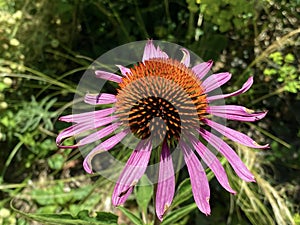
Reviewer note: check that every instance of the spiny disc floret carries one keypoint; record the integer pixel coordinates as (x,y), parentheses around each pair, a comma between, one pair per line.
(160,97)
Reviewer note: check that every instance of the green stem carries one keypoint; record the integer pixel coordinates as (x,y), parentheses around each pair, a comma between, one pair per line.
(10,157)
(167,10)
(120,22)
(190,31)
(39,76)
(140,21)
(282,142)
(278,91)
(279,43)
(156,220)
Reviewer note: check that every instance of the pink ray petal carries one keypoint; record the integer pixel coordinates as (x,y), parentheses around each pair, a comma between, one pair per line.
(82,127)
(108,76)
(234,160)
(151,52)
(99,99)
(132,172)
(235,112)
(199,182)
(234,135)
(166,182)
(202,69)
(161,54)
(124,70)
(186,57)
(215,80)
(245,88)
(87,116)
(104,146)
(98,135)
(212,162)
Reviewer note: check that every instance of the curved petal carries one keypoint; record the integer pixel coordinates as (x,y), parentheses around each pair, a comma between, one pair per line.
(151,52)
(104,146)
(235,112)
(108,76)
(214,81)
(202,69)
(245,88)
(82,127)
(124,70)
(166,182)
(186,57)
(234,135)
(132,172)
(212,162)
(234,160)
(99,99)
(98,134)
(87,116)
(199,182)
(161,54)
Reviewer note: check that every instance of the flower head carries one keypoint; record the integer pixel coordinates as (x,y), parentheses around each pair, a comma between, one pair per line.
(163,102)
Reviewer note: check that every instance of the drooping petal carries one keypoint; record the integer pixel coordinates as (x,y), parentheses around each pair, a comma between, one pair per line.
(132,172)
(245,88)
(199,182)
(82,127)
(186,57)
(234,160)
(98,134)
(214,81)
(108,76)
(235,112)
(124,70)
(234,135)
(99,99)
(202,69)
(166,182)
(87,116)
(212,162)
(104,146)
(161,54)
(151,52)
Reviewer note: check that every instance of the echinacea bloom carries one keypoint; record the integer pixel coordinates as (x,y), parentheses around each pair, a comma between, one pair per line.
(163,100)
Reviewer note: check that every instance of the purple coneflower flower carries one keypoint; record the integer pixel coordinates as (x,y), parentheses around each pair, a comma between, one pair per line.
(181,98)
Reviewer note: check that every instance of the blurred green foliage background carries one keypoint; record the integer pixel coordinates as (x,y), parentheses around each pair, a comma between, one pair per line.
(45,47)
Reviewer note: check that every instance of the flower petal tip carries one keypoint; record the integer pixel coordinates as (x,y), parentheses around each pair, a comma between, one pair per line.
(86,166)
(63,119)
(124,70)
(186,57)
(115,202)
(160,217)
(234,192)
(266,146)
(67,146)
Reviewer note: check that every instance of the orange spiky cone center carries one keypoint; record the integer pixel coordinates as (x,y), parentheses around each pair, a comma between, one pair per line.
(160,97)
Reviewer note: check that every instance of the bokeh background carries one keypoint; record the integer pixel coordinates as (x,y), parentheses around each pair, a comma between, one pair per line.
(45,47)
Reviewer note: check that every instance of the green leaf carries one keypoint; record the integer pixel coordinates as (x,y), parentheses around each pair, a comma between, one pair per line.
(82,218)
(269,71)
(56,161)
(289,58)
(184,190)
(144,193)
(276,57)
(178,214)
(131,216)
